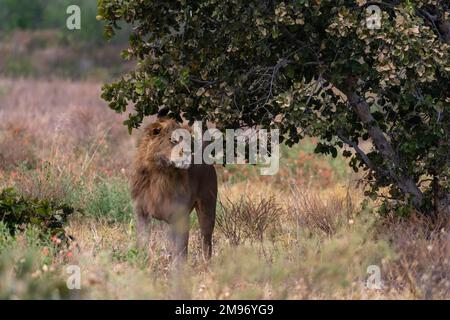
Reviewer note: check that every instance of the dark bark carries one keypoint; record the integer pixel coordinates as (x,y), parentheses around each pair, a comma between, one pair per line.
(405,183)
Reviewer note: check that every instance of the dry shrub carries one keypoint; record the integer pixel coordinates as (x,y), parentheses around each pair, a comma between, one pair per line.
(248,219)
(321,217)
(422,264)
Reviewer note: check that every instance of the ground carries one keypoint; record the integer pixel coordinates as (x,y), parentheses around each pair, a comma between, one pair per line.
(302,234)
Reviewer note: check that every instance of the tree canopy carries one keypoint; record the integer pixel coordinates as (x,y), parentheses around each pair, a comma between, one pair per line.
(307,67)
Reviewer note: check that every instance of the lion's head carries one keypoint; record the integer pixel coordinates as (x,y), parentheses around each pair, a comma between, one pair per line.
(164,145)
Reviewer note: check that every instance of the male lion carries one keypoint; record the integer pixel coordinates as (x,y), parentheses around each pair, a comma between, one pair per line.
(169,190)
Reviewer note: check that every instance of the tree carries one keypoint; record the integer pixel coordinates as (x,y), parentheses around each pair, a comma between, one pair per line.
(307,67)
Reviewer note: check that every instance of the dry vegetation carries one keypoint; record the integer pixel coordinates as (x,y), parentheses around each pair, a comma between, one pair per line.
(298,235)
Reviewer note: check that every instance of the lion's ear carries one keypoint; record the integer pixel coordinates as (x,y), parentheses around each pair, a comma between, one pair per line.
(154,129)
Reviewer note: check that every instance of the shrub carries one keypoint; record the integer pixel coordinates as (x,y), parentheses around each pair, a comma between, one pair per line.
(247,219)
(17,212)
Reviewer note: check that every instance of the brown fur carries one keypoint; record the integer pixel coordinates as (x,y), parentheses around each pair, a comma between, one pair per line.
(161,190)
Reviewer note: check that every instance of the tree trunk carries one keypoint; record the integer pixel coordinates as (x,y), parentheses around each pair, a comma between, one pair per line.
(444,200)
(403,182)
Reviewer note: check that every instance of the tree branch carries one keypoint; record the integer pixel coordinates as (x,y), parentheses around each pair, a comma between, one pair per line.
(361,153)
(404,182)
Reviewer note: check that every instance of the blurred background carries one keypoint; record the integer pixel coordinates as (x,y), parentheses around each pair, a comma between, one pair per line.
(35,41)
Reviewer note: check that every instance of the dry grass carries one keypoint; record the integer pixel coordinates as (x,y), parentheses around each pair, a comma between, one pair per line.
(62,121)
(318,213)
(282,239)
(423,255)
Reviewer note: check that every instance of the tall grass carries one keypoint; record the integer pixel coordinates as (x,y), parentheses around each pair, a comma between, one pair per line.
(109,200)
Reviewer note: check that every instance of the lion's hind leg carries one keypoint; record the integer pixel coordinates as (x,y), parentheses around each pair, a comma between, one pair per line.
(206,212)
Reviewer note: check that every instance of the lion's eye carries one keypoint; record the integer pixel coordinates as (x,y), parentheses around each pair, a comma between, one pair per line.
(155,131)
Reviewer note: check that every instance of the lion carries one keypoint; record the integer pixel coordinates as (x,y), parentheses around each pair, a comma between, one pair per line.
(169,190)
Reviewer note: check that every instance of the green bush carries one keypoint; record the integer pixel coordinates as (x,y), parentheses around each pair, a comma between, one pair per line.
(17,213)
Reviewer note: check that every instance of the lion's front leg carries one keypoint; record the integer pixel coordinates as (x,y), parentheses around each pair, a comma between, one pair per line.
(142,228)
(180,236)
